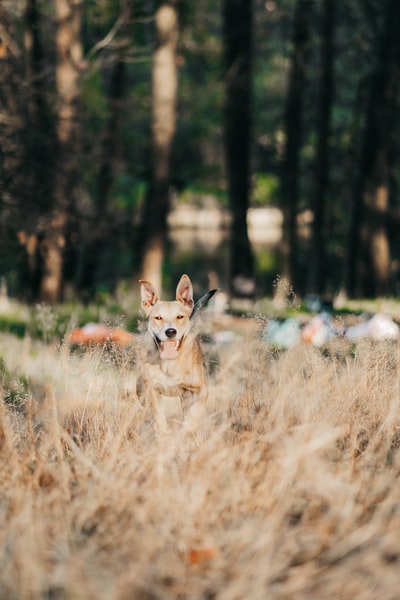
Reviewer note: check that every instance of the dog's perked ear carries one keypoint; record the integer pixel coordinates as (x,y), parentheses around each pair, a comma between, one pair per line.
(202,302)
(148,294)
(184,291)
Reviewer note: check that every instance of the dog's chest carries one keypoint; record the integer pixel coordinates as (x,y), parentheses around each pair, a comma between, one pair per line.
(169,367)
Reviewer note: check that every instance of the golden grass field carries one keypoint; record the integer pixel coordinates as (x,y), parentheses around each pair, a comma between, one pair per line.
(289,489)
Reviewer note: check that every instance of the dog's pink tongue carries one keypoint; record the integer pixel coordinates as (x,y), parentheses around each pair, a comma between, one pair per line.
(168,350)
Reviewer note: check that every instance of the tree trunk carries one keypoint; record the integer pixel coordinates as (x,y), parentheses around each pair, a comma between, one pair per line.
(237,20)
(293,127)
(69,55)
(319,237)
(164,97)
(39,148)
(369,250)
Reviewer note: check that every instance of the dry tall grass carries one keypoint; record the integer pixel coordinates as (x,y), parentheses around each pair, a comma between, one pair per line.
(289,489)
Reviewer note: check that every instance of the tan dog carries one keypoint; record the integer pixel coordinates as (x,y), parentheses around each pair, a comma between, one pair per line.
(172,362)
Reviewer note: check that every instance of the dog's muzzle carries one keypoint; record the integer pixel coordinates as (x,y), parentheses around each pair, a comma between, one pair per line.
(169,348)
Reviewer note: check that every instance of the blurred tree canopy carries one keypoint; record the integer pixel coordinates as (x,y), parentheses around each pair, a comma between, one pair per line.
(313,131)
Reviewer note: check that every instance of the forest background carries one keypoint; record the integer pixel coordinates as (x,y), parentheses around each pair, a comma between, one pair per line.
(115,112)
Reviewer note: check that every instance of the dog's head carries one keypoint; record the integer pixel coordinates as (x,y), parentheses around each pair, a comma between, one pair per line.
(168,322)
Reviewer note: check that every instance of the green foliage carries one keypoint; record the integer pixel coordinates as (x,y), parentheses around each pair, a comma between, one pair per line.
(15,388)
(197,194)
(52,323)
(3,370)
(265,189)
(197,150)
(16,392)
(266,261)
(128,192)
(13,324)
(93,98)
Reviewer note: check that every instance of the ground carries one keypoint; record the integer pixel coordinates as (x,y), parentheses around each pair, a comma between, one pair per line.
(288,489)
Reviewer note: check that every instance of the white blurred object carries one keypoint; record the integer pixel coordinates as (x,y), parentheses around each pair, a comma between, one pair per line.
(379,327)
(382,327)
(224,337)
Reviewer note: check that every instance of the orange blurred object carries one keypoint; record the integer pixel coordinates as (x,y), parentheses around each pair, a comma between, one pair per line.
(96,333)
(202,555)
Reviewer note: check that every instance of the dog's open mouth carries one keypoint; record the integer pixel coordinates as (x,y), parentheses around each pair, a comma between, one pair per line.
(169,349)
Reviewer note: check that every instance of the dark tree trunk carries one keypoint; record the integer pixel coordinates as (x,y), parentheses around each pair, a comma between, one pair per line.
(319,228)
(293,118)
(39,149)
(237,21)
(164,97)
(116,96)
(369,254)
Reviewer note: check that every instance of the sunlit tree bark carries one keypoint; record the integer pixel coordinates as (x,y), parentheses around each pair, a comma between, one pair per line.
(164,96)
(68,63)
(369,259)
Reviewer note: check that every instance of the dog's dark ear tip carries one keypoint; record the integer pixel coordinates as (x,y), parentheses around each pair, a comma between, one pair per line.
(203,301)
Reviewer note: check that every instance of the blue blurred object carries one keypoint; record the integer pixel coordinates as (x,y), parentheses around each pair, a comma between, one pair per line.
(284,334)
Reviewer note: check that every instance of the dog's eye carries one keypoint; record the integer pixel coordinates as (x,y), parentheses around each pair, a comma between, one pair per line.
(158,318)
(180,317)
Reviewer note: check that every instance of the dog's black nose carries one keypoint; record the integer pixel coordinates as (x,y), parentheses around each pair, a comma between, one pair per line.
(170,332)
